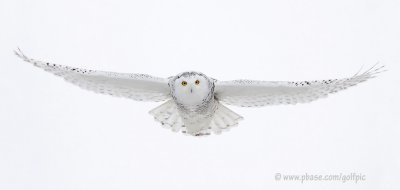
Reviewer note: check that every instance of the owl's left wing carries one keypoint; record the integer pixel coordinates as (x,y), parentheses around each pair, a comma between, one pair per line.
(250,93)
(138,87)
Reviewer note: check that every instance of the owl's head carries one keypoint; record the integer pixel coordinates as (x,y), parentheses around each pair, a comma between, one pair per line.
(191,88)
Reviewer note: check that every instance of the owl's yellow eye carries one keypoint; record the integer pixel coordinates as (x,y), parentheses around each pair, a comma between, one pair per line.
(184,83)
(197,82)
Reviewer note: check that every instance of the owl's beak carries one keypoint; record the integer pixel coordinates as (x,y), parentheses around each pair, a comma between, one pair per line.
(191,90)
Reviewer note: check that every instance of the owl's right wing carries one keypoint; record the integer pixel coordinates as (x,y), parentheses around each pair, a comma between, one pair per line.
(250,93)
(138,87)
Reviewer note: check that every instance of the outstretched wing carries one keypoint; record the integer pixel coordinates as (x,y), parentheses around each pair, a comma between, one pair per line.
(138,87)
(250,93)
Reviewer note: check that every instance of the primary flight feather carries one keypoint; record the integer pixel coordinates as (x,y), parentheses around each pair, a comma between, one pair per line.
(193,101)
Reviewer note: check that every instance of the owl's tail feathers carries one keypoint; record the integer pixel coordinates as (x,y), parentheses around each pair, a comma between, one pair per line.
(224,119)
(167,114)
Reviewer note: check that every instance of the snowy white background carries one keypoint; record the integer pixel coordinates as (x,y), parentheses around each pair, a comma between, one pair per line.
(54,135)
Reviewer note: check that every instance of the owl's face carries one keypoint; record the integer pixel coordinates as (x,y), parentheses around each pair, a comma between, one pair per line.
(191,88)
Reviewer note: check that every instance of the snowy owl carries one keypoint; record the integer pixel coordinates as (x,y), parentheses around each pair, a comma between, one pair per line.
(193,101)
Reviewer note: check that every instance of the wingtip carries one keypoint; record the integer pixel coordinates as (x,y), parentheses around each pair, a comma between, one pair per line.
(25,58)
(18,52)
(377,68)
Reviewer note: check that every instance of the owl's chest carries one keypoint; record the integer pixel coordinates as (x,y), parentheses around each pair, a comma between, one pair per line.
(198,116)
(207,108)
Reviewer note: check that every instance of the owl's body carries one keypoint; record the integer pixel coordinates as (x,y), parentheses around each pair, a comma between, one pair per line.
(193,108)
(193,101)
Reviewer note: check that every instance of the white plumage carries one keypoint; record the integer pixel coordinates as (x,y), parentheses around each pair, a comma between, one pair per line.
(194,100)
